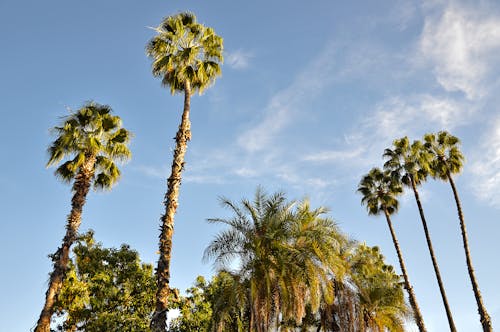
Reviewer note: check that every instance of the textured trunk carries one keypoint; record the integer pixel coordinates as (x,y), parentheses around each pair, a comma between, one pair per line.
(81,188)
(485,318)
(413,299)
(433,257)
(159,319)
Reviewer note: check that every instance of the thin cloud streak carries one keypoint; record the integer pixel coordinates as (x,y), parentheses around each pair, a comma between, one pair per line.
(285,104)
(238,59)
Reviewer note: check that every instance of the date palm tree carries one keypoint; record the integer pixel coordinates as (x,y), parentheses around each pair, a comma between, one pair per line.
(187,57)
(410,163)
(91,139)
(379,192)
(285,255)
(448,160)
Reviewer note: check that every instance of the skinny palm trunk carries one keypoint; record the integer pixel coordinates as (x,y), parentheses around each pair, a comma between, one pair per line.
(433,258)
(81,188)
(159,319)
(485,318)
(413,299)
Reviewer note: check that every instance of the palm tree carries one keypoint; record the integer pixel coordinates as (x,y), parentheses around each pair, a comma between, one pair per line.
(285,255)
(187,56)
(410,163)
(448,160)
(379,192)
(92,139)
(380,295)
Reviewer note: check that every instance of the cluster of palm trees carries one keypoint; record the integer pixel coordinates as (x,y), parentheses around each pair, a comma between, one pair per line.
(285,266)
(294,266)
(410,164)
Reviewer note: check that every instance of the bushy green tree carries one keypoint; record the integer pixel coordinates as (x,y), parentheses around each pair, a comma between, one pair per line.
(195,309)
(107,289)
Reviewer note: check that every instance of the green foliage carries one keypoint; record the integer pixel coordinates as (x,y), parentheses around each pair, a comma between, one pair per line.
(408,162)
(106,289)
(184,50)
(92,132)
(287,254)
(379,290)
(447,158)
(195,309)
(379,190)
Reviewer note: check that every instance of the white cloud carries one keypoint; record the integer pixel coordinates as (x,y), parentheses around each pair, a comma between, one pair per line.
(238,59)
(285,104)
(461,45)
(486,168)
(399,116)
(334,156)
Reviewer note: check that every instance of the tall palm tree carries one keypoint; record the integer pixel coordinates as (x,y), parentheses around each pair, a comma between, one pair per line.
(187,56)
(410,163)
(92,140)
(448,160)
(285,254)
(379,192)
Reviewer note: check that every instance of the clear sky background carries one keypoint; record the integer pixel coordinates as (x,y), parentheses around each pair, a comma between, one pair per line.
(311,94)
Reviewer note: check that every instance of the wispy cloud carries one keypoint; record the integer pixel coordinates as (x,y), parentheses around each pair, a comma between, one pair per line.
(460,44)
(238,59)
(334,156)
(486,168)
(285,104)
(410,115)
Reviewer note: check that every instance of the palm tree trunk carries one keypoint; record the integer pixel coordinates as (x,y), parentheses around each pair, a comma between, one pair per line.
(433,258)
(485,318)
(159,319)
(413,299)
(81,188)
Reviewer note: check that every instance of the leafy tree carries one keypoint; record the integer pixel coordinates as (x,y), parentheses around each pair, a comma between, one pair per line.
(447,159)
(195,309)
(380,295)
(286,256)
(187,56)
(107,289)
(379,192)
(411,164)
(92,139)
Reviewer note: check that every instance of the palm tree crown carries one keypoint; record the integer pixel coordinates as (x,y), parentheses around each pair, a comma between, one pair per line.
(379,192)
(184,50)
(447,157)
(91,132)
(408,161)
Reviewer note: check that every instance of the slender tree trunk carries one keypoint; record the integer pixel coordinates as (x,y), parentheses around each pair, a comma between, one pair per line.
(433,257)
(81,188)
(413,299)
(485,318)
(159,318)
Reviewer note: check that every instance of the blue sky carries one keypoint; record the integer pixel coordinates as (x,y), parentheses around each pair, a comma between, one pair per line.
(310,96)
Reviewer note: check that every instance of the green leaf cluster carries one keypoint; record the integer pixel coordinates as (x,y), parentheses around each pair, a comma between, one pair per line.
(106,289)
